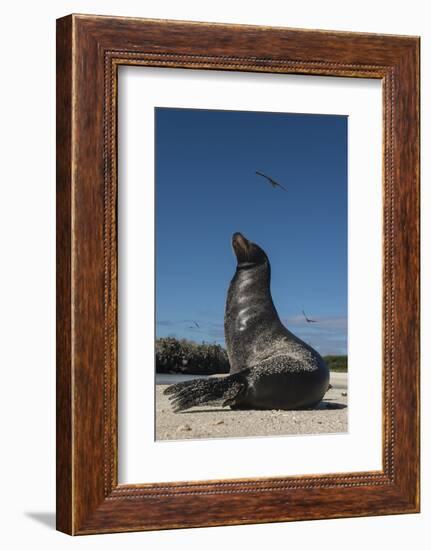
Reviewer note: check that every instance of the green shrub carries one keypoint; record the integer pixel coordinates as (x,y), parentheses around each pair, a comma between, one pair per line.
(336,363)
(186,357)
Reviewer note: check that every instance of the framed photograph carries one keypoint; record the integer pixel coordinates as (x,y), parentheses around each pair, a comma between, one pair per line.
(237,274)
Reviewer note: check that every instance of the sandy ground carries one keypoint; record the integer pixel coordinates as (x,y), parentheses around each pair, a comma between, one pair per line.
(213,421)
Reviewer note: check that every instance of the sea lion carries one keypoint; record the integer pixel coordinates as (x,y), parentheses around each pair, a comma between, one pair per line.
(270,368)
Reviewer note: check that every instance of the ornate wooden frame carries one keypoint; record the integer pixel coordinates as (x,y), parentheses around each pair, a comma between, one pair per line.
(89,50)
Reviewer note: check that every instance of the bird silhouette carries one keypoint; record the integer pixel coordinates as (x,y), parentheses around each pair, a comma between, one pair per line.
(307,319)
(271,181)
(196,325)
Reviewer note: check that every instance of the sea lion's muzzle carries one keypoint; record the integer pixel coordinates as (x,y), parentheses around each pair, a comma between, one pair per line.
(240,243)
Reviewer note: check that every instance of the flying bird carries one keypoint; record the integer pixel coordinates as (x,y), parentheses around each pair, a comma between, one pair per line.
(196,325)
(271,181)
(307,319)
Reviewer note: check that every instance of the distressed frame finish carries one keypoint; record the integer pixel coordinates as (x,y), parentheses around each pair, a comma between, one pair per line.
(89,51)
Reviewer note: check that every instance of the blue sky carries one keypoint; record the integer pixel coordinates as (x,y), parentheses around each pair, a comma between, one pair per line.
(206,189)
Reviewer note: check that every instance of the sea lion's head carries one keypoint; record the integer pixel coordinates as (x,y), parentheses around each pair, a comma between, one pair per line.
(248,254)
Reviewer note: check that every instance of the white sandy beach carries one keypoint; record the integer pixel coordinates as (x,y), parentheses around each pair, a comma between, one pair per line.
(213,421)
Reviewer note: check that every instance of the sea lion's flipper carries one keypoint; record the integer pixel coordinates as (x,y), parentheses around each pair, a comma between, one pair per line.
(173,388)
(192,393)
